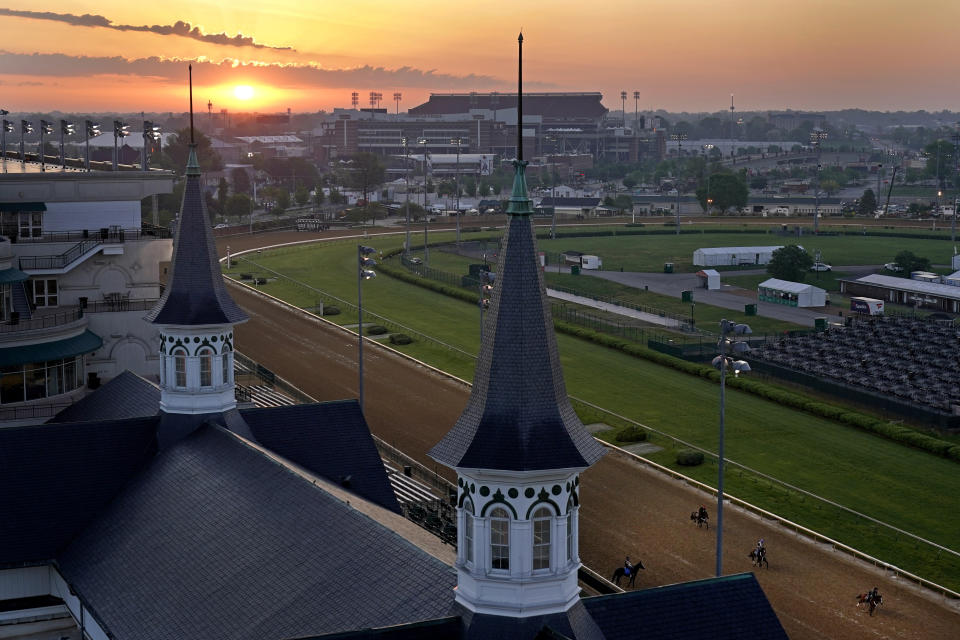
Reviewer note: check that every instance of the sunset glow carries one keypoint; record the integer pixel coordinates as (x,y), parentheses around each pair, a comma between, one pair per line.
(816,55)
(243,92)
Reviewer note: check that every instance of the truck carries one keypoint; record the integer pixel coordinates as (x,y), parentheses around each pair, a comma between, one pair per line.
(591,262)
(866,306)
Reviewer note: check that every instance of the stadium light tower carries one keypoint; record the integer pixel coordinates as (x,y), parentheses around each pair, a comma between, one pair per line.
(458,141)
(5,127)
(46,128)
(355,99)
(426,255)
(397,97)
(92,130)
(636,111)
(623,106)
(723,362)
(151,134)
(25,127)
(66,129)
(406,177)
(120,130)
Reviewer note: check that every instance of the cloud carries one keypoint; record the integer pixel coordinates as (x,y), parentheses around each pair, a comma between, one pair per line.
(209,72)
(179,28)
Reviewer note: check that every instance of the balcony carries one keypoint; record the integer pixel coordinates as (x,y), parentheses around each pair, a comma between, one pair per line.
(87,241)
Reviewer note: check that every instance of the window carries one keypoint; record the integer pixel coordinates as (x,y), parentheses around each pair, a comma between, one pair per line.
(31,223)
(570,516)
(541,538)
(206,367)
(225,363)
(468,531)
(499,539)
(180,368)
(44,293)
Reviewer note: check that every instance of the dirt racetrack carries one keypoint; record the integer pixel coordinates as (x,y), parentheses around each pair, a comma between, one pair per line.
(627,509)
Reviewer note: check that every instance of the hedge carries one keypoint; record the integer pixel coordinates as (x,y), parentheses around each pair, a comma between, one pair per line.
(896,433)
(689,457)
(633,433)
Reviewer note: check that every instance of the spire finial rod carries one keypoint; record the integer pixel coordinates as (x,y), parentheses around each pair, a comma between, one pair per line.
(190,72)
(520,97)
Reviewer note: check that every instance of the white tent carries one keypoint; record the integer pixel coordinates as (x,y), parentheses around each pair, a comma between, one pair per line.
(792,294)
(732,256)
(709,279)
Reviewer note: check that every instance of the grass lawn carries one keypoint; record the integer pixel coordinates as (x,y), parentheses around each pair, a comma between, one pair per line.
(650,252)
(833,461)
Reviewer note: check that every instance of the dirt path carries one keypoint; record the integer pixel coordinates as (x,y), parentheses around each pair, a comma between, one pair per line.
(627,509)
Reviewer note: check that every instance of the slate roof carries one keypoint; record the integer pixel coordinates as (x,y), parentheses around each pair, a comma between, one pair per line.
(728,608)
(125,396)
(332,440)
(195,293)
(55,478)
(215,540)
(518,416)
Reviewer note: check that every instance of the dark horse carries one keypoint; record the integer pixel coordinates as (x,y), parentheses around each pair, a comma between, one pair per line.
(621,572)
(759,556)
(701,518)
(871,599)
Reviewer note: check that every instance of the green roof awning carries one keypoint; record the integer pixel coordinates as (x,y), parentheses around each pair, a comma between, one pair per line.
(86,342)
(22,206)
(11,275)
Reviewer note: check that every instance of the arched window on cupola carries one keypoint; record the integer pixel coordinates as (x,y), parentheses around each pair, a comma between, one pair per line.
(206,366)
(180,368)
(500,539)
(570,516)
(542,522)
(468,531)
(225,362)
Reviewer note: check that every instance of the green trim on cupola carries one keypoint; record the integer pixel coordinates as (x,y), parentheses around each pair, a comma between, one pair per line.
(193,166)
(519,204)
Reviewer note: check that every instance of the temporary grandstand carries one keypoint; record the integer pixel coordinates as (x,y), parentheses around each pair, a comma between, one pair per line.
(792,294)
(732,256)
(902,364)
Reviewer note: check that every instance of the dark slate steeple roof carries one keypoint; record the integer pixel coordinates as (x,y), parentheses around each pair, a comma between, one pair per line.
(518,416)
(195,293)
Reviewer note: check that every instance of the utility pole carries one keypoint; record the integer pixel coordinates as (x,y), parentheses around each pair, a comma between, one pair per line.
(817,137)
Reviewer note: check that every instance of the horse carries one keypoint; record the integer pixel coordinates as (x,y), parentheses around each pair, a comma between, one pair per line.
(759,558)
(620,572)
(701,520)
(868,598)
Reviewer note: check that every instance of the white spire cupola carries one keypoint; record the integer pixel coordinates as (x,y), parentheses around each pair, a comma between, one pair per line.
(195,315)
(518,448)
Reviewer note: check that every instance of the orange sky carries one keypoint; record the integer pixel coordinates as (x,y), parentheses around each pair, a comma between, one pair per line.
(680,54)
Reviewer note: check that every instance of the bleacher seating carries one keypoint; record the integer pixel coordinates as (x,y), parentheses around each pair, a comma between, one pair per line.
(914,359)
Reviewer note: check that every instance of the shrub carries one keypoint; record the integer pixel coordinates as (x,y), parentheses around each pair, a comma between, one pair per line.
(331,311)
(376,330)
(246,276)
(633,433)
(689,457)
(400,338)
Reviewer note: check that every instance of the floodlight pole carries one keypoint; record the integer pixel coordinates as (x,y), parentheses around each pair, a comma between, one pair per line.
(723,377)
(457,141)
(3,136)
(360,325)
(406,175)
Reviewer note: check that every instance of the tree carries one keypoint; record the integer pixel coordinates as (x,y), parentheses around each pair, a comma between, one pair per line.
(302,195)
(365,172)
(758,182)
(469,185)
(726,190)
(790,263)
(909,262)
(238,205)
(830,187)
(223,190)
(868,203)
(178,150)
(318,195)
(240,180)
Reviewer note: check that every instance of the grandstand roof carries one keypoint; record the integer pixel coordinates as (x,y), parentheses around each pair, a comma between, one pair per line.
(549,105)
(915,286)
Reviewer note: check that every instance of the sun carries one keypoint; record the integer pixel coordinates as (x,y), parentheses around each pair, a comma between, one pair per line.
(243,92)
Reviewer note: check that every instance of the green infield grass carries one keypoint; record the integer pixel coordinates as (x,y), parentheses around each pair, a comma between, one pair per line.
(835,462)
